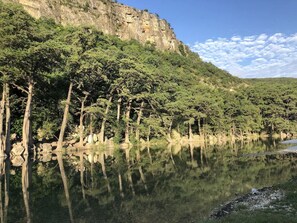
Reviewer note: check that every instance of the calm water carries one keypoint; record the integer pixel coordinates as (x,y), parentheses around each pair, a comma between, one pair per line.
(170,184)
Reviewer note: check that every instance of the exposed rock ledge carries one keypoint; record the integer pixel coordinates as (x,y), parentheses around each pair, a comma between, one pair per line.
(109,17)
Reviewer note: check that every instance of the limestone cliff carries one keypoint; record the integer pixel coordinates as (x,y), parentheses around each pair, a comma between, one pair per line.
(109,17)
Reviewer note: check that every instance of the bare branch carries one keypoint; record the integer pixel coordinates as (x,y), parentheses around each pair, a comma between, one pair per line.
(20,88)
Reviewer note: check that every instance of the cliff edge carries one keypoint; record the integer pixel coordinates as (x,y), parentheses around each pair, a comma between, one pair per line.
(108,16)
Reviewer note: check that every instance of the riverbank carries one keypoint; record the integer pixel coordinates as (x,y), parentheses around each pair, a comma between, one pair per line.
(271,204)
(174,139)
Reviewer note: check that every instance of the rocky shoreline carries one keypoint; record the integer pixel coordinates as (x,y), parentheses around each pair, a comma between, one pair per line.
(261,199)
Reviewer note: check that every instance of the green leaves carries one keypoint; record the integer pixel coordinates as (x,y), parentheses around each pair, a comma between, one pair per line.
(177,90)
(16,27)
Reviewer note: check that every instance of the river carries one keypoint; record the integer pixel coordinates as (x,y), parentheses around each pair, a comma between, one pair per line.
(157,184)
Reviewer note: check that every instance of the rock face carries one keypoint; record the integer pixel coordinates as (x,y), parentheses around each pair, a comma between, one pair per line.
(109,17)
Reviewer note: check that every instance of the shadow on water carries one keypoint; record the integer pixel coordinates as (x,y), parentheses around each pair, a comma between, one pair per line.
(140,184)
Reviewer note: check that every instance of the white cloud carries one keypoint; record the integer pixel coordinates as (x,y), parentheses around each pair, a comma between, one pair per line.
(252,56)
(236,38)
(262,37)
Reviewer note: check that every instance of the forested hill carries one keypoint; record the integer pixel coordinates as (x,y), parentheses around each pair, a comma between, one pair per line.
(116,89)
(273,81)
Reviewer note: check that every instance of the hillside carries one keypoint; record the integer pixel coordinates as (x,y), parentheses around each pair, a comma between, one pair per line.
(109,17)
(123,90)
(109,79)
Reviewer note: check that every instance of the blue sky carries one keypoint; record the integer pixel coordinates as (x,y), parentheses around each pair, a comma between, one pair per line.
(248,38)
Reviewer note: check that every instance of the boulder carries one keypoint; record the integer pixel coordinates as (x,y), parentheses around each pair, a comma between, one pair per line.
(90,139)
(17,161)
(17,149)
(95,138)
(46,157)
(46,148)
(72,142)
(54,144)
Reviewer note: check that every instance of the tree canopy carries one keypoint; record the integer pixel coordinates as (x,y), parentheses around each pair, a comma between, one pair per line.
(124,87)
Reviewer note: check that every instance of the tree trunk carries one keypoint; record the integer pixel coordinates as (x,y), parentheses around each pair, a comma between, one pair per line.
(127,140)
(119,109)
(27,128)
(170,125)
(91,126)
(2,108)
(241,134)
(149,154)
(233,128)
(64,122)
(148,134)
(190,132)
(203,127)
(7,122)
(102,129)
(81,121)
(192,154)
(199,127)
(137,132)
(120,184)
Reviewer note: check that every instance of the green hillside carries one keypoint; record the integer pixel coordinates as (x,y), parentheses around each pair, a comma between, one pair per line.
(122,89)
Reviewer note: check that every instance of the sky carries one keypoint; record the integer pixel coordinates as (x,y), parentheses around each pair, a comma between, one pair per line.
(248,38)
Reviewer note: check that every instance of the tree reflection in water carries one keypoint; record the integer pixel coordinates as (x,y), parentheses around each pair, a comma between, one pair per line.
(140,184)
(26,180)
(4,185)
(65,184)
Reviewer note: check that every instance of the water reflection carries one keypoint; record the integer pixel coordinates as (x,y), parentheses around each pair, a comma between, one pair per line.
(65,184)
(4,187)
(26,180)
(171,184)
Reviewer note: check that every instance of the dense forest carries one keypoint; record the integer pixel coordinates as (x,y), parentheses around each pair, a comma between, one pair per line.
(59,82)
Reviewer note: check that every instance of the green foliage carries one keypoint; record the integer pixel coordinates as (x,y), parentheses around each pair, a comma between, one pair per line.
(86,6)
(178,90)
(47,131)
(181,49)
(276,100)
